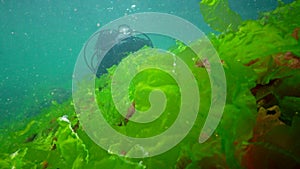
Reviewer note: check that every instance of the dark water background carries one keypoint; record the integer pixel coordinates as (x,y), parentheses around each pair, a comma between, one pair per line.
(40,41)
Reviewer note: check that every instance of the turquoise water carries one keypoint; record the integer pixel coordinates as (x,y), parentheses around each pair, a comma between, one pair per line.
(39,45)
(40,41)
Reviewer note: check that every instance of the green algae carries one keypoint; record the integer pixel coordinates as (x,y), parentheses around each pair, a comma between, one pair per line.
(27,128)
(252,55)
(139,89)
(219,16)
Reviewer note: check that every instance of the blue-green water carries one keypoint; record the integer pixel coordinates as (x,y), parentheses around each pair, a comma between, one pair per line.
(40,41)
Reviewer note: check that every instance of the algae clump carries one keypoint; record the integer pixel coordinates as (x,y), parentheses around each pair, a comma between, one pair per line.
(218,15)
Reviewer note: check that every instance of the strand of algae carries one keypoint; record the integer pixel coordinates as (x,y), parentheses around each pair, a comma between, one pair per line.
(27,128)
(219,16)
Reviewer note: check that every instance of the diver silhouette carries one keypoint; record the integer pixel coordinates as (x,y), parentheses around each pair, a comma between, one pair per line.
(113,45)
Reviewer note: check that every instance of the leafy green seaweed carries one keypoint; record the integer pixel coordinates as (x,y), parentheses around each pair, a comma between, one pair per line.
(219,16)
(261,116)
